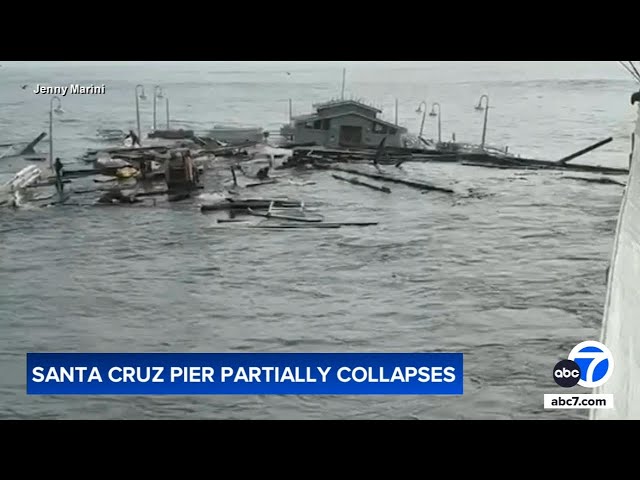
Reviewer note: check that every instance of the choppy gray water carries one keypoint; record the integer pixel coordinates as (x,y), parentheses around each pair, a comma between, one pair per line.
(513,275)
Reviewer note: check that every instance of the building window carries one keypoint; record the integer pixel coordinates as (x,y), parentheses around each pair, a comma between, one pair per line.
(379,128)
(392,131)
(317,124)
(308,125)
(326,124)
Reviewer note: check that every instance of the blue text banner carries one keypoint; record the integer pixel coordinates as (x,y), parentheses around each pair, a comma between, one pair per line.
(244,373)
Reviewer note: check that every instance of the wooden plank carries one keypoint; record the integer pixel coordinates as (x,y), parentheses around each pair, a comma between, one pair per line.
(29,148)
(246,204)
(266,182)
(585,150)
(386,178)
(355,181)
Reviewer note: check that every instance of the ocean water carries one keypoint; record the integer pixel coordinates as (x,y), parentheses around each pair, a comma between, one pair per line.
(510,270)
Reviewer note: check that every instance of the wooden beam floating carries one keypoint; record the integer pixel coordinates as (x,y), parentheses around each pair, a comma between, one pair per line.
(29,148)
(258,204)
(386,178)
(585,150)
(355,181)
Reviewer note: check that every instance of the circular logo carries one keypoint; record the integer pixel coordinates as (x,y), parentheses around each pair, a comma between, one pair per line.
(566,373)
(595,362)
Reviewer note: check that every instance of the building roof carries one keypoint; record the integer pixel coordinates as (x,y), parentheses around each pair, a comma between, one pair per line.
(340,102)
(304,117)
(307,118)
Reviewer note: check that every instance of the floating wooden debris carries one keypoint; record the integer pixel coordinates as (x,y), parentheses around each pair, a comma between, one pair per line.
(292,218)
(29,149)
(233,173)
(352,224)
(499,167)
(288,225)
(491,161)
(382,155)
(386,178)
(258,184)
(585,150)
(480,157)
(355,181)
(255,204)
(603,180)
(27,152)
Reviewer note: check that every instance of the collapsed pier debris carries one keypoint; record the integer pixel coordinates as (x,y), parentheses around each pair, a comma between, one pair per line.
(355,181)
(255,204)
(387,178)
(27,151)
(469,155)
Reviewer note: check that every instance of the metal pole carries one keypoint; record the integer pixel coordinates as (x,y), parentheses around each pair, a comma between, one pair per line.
(424,115)
(439,114)
(154,108)
(396,111)
(157,93)
(55,98)
(344,74)
(486,114)
(138,115)
(141,95)
(484,126)
(290,110)
(51,134)
(167,102)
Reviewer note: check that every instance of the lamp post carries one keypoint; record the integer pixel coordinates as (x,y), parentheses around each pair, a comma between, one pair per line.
(142,96)
(433,114)
(486,113)
(166,101)
(157,93)
(58,110)
(424,115)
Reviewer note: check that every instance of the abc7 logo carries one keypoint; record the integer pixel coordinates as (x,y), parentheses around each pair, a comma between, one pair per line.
(590,364)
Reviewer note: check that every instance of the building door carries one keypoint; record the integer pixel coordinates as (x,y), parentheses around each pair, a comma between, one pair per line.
(350,136)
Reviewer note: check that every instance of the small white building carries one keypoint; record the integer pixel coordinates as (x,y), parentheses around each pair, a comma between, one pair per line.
(343,124)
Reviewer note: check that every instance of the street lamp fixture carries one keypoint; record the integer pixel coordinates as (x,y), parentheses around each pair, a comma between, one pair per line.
(167,105)
(486,113)
(433,113)
(139,95)
(424,115)
(157,93)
